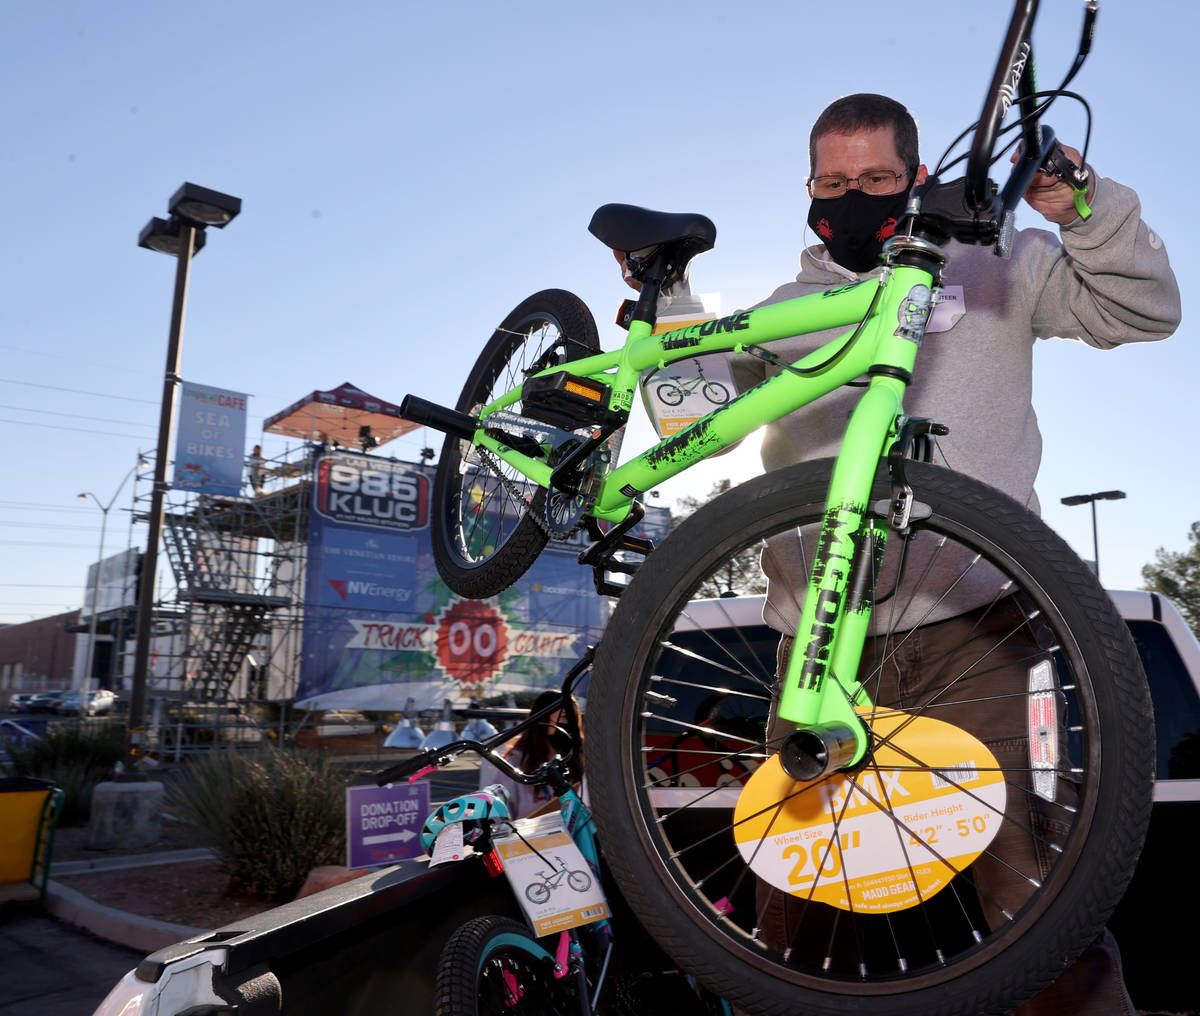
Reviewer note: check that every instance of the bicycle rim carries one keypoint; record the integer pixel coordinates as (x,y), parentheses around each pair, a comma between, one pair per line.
(492,966)
(483,536)
(692,715)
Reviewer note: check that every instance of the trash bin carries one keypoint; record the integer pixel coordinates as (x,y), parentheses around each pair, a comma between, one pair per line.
(29,810)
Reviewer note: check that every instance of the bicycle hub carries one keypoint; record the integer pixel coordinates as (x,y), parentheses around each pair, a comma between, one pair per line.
(812,752)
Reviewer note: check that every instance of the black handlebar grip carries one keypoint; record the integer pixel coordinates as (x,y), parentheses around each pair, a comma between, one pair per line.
(402,770)
(430,414)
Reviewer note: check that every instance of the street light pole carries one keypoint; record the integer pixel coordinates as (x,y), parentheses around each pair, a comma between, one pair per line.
(1103,495)
(166,426)
(81,679)
(192,209)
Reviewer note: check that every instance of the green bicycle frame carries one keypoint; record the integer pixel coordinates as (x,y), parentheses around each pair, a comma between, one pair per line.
(890,314)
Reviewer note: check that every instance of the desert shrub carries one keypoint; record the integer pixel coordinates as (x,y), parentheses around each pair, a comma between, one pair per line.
(271,815)
(76,756)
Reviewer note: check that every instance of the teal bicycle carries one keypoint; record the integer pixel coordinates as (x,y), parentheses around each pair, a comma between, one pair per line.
(947,843)
(495,966)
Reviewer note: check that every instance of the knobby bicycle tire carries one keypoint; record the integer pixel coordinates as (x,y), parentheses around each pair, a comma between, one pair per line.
(680,727)
(493,966)
(715,392)
(484,538)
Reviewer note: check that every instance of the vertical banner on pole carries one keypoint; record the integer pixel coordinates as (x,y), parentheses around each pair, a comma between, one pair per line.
(211,442)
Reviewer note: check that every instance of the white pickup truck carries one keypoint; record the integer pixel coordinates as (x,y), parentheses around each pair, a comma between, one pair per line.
(371,946)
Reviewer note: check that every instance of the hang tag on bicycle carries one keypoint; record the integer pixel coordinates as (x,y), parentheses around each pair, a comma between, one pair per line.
(681,392)
(449,845)
(549,876)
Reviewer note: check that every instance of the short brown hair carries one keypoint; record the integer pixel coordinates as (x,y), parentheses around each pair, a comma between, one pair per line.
(867,111)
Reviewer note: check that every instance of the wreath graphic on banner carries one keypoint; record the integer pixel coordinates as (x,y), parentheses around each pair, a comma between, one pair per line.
(472,642)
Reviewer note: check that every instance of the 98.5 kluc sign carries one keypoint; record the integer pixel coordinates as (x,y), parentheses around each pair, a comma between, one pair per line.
(372,492)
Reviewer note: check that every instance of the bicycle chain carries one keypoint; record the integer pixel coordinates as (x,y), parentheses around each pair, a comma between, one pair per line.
(514,491)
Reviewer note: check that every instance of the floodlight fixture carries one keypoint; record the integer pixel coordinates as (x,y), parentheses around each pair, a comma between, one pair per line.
(1103,495)
(204,207)
(165,236)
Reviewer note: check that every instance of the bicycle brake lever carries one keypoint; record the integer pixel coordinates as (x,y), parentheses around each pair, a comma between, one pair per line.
(1058,164)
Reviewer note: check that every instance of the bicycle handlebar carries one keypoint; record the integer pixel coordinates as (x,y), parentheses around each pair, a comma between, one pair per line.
(972,209)
(412,769)
(551,772)
(1012,79)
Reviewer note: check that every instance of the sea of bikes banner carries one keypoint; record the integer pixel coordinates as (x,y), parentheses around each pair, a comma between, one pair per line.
(382,631)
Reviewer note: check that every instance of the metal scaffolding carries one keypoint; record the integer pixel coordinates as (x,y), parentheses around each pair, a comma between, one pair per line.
(227,630)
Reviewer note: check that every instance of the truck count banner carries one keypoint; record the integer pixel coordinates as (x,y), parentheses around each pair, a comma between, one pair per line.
(380,627)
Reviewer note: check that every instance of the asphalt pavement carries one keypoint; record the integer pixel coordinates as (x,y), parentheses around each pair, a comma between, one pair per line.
(63,960)
(54,969)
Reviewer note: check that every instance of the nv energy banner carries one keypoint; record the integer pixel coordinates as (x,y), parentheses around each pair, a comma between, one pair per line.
(381,628)
(210,446)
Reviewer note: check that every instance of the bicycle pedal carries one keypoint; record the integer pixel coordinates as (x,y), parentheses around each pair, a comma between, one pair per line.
(636,545)
(564,400)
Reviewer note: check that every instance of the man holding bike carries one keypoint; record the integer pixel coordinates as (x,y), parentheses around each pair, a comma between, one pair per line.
(1105,280)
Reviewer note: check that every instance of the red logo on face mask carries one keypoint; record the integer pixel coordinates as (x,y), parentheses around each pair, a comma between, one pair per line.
(824,229)
(886,230)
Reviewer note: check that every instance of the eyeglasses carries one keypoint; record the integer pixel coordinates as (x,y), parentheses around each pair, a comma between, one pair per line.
(877,181)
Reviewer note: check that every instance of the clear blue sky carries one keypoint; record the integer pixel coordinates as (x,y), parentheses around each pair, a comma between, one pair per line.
(411,171)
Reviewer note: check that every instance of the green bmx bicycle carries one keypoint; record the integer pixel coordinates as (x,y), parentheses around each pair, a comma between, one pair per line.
(855,840)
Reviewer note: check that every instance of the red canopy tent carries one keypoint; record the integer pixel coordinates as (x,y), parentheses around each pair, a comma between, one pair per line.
(340,415)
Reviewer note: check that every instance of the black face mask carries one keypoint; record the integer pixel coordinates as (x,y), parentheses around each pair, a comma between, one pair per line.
(854,226)
(560,740)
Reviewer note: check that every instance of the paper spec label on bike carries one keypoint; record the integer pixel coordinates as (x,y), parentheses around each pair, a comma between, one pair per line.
(550,877)
(882,839)
(680,393)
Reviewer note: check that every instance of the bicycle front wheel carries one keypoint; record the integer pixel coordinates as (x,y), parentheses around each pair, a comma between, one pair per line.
(484,526)
(984,619)
(492,966)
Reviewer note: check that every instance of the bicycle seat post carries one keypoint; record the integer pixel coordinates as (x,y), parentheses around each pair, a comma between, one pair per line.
(646,308)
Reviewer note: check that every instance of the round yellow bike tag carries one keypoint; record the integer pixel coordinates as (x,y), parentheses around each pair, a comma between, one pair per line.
(885,837)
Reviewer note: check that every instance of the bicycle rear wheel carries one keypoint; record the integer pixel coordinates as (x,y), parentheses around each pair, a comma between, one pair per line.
(485,535)
(493,966)
(684,713)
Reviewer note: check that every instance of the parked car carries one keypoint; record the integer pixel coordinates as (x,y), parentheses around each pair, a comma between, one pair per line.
(92,703)
(14,733)
(101,702)
(18,701)
(43,701)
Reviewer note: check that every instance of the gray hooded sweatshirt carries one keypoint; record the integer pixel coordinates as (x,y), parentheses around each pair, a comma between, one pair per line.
(1107,282)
